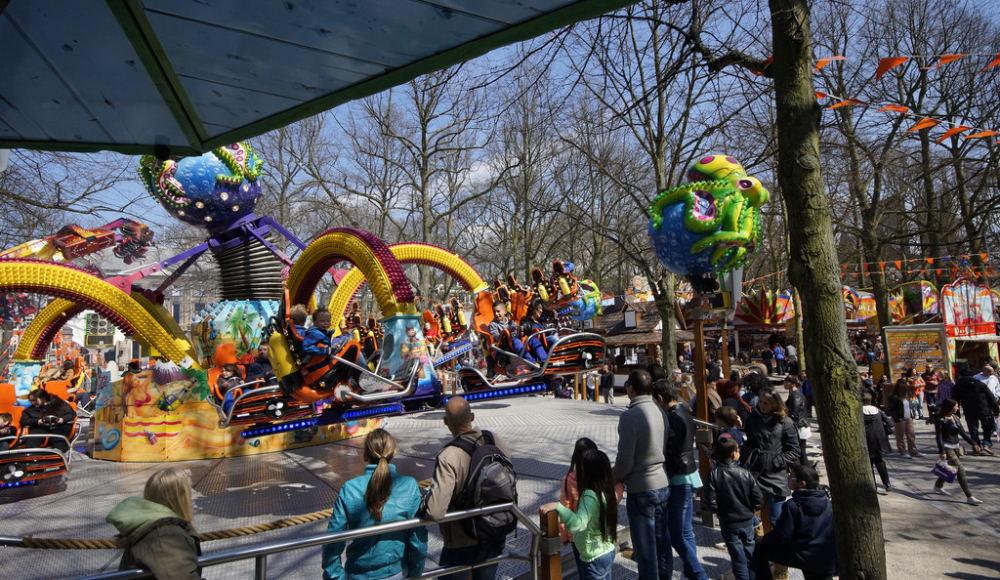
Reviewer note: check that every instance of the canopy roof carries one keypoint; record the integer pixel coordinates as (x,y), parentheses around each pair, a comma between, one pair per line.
(193,75)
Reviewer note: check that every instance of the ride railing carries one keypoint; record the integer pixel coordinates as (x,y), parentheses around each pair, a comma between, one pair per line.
(260,553)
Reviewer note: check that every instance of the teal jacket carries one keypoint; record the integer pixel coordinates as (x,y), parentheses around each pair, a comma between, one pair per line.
(586,527)
(385,555)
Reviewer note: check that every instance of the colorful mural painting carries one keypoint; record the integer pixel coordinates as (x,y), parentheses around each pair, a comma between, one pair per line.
(165,414)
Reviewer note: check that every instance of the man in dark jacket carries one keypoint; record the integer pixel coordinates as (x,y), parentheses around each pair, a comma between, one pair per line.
(607,384)
(260,368)
(980,407)
(732,493)
(49,415)
(803,536)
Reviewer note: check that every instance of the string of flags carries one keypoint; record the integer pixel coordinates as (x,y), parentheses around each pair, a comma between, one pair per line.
(938,265)
(923,122)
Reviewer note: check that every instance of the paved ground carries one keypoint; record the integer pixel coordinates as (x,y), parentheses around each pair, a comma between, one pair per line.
(926,536)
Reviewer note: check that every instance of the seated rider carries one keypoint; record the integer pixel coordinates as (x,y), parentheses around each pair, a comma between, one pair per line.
(501,321)
(229,378)
(534,350)
(43,406)
(318,344)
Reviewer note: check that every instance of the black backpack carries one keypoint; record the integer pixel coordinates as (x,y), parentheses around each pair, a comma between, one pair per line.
(491,481)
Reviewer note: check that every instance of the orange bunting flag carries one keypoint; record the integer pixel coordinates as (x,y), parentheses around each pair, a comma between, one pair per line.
(930,260)
(995,62)
(922,272)
(925,123)
(820,95)
(887,63)
(847,103)
(825,61)
(938,271)
(894,108)
(983,134)
(983,257)
(945,59)
(899,264)
(952,131)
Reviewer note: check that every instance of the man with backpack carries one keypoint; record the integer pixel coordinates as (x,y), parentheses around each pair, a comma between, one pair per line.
(472,470)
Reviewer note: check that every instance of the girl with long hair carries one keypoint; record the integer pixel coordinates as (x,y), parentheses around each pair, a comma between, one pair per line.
(379,496)
(594,523)
(156,530)
(948,430)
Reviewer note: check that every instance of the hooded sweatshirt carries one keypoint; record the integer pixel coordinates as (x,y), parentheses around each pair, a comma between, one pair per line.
(804,532)
(877,428)
(156,539)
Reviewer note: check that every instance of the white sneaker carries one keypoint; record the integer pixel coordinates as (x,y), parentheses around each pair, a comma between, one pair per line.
(941,491)
(973,501)
(918,454)
(905,456)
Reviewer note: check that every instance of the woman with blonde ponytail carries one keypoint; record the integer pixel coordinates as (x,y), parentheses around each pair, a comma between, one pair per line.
(380,496)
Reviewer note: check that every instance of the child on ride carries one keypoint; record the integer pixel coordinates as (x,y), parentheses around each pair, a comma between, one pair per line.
(530,325)
(317,341)
(229,378)
(502,322)
(6,430)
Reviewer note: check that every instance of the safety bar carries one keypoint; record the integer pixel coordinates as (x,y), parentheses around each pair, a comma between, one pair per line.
(343,392)
(260,552)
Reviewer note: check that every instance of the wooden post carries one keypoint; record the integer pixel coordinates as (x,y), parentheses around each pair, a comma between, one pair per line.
(551,564)
(725,352)
(576,386)
(703,437)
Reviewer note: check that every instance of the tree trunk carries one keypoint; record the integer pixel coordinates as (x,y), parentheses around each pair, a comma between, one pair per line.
(814,270)
(665,306)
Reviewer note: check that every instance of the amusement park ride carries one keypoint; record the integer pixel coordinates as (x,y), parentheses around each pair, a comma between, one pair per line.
(178,409)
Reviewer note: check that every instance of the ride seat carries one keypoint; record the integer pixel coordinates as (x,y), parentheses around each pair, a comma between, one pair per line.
(8,398)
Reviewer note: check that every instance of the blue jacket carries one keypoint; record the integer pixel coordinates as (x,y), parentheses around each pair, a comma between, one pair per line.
(804,531)
(381,556)
(316,342)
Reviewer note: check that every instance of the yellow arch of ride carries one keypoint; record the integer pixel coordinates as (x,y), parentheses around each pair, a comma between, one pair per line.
(46,278)
(57,309)
(342,245)
(407,253)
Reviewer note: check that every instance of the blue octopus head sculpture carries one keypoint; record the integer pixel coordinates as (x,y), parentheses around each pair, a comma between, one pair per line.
(711,224)
(213,190)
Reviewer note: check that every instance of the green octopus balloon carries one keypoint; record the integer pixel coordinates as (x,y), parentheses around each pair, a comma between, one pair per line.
(711,224)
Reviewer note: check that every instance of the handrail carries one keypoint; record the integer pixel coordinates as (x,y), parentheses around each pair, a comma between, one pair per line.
(260,552)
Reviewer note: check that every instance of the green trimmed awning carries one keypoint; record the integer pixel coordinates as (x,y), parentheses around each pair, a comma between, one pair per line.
(193,75)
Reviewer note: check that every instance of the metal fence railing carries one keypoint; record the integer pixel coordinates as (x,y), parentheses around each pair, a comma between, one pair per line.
(259,553)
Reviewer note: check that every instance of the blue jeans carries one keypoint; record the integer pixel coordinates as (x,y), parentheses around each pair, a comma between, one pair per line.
(599,568)
(775,503)
(987,424)
(471,555)
(647,520)
(679,512)
(740,543)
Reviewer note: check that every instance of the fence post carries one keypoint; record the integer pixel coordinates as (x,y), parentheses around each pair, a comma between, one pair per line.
(551,548)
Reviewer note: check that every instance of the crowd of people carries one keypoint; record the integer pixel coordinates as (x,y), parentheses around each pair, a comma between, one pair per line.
(892,408)
(759,473)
